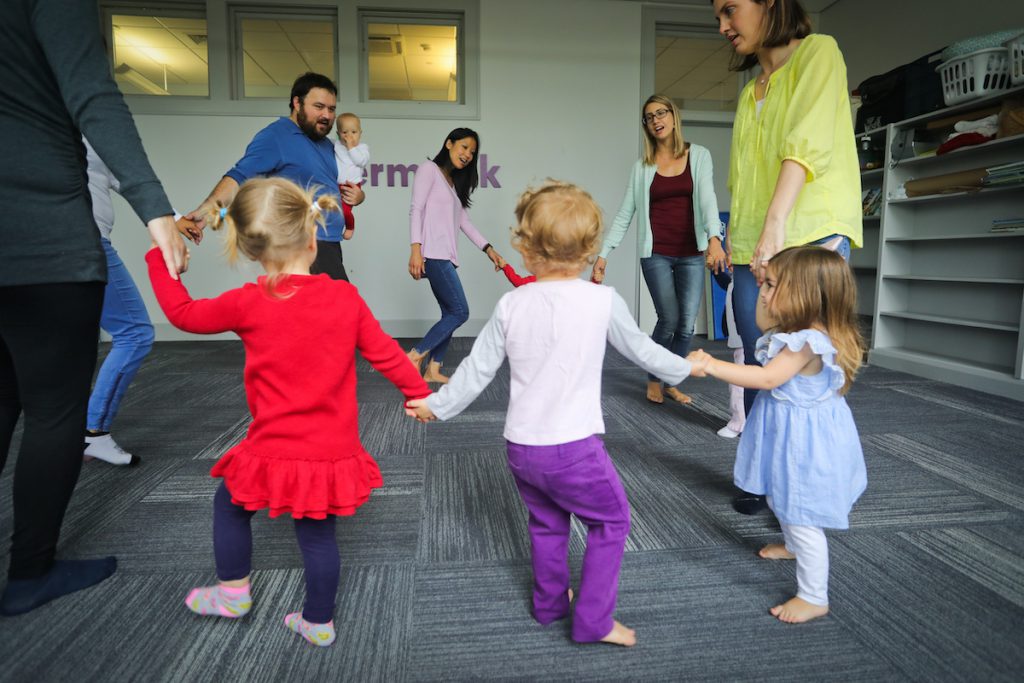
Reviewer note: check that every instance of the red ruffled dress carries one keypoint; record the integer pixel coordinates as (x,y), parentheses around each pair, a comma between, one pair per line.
(302,455)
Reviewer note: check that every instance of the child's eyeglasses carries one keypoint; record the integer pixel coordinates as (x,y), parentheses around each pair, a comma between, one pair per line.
(655,115)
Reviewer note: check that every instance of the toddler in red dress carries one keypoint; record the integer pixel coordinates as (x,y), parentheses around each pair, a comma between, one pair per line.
(302,455)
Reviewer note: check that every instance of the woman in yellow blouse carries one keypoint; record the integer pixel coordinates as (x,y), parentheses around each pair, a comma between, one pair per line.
(793,172)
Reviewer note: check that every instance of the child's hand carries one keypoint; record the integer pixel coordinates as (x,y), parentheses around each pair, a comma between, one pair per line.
(500,262)
(699,361)
(347,235)
(417,408)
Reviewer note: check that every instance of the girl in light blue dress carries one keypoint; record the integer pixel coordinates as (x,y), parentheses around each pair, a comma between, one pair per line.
(800,446)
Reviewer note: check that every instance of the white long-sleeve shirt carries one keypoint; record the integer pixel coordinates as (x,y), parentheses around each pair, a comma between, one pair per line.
(553,334)
(351,162)
(101,182)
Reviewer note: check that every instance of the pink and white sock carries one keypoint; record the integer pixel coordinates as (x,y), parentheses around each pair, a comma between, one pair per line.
(220,600)
(320,635)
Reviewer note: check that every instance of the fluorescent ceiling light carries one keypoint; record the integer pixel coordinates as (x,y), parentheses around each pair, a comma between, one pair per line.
(137,79)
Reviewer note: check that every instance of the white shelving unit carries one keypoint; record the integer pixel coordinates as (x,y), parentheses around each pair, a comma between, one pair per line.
(949,294)
(865,261)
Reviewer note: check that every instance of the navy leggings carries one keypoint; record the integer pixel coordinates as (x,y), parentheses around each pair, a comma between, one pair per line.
(232,548)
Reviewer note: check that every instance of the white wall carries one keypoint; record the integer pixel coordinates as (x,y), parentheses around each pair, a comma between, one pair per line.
(878,35)
(559,94)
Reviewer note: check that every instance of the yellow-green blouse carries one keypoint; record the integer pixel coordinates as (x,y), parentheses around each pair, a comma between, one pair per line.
(806,118)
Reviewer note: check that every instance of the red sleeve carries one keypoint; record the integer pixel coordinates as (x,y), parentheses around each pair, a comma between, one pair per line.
(205,316)
(514,277)
(386,356)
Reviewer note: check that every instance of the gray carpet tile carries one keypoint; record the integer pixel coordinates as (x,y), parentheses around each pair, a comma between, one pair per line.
(927,584)
(957,466)
(929,620)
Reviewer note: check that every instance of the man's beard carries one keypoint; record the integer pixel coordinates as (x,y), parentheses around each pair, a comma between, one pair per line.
(309,127)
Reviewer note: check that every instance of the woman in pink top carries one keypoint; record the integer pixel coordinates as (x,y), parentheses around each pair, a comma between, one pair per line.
(440,197)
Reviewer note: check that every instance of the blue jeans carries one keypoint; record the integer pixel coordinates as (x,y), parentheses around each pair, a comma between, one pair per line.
(744,306)
(447,289)
(676,284)
(125,319)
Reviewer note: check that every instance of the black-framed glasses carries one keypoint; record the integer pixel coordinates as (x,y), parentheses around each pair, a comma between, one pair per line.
(655,115)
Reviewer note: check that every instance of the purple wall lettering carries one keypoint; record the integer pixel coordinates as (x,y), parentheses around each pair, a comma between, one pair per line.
(404,172)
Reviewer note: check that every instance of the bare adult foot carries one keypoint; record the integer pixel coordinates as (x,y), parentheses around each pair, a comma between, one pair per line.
(620,635)
(797,611)
(654,394)
(776,551)
(678,396)
(415,358)
(433,373)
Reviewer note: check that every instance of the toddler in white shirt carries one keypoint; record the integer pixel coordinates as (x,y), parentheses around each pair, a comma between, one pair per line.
(553,332)
(352,156)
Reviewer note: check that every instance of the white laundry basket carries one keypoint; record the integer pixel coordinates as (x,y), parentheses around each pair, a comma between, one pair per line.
(980,73)
(1015,53)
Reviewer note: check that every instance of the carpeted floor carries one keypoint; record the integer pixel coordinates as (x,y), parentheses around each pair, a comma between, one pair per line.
(928,584)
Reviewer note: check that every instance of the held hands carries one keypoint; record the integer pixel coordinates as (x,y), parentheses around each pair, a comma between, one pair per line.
(700,361)
(189,230)
(597,275)
(715,257)
(166,238)
(352,194)
(496,259)
(417,408)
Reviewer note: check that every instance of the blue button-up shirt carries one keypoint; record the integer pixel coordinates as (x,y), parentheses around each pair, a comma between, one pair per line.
(283,150)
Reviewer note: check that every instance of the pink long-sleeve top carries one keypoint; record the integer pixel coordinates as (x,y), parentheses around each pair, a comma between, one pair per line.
(437,215)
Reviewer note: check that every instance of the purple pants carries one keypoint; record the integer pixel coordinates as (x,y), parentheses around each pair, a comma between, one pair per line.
(575,478)
(232,549)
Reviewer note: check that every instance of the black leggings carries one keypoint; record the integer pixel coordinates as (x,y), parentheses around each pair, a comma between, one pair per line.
(232,548)
(329,260)
(48,336)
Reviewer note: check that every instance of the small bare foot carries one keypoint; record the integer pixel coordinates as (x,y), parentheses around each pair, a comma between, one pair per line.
(776,551)
(433,374)
(571,595)
(654,394)
(620,635)
(678,396)
(797,611)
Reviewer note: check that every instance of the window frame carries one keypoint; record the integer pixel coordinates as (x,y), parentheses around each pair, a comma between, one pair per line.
(354,75)
(241,11)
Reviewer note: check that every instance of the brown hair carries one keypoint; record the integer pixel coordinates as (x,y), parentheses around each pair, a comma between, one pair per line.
(784,20)
(650,146)
(270,221)
(814,287)
(559,224)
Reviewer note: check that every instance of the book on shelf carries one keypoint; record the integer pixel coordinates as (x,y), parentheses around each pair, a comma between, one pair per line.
(871,202)
(1007,225)
(1005,174)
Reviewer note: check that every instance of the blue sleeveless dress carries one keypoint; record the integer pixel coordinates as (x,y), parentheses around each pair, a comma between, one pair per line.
(800,445)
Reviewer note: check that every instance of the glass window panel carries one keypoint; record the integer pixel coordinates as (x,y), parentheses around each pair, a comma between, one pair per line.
(693,69)
(277,51)
(156,55)
(413,61)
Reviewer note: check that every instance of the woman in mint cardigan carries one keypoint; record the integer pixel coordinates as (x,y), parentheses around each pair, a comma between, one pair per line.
(672,194)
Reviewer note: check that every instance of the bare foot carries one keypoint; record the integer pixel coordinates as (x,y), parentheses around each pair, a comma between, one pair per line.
(433,373)
(776,551)
(571,595)
(678,396)
(797,611)
(654,394)
(415,358)
(620,635)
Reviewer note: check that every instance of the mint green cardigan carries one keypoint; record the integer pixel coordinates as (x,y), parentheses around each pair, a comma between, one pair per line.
(706,222)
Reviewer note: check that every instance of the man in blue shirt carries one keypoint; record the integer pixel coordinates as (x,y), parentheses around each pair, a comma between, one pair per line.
(296,147)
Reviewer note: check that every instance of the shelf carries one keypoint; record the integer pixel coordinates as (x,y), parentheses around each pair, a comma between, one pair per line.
(963,152)
(979,103)
(947,320)
(965,280)
(965,236)
(872,173)
(985,191)
(873,132)
(1001,372)
(872,219)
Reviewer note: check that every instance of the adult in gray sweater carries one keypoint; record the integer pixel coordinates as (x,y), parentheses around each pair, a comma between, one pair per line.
(57,86)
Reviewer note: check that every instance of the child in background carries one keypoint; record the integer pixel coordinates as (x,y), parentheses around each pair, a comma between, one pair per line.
(554,333)
(800,446)
(352,156)
(302,455)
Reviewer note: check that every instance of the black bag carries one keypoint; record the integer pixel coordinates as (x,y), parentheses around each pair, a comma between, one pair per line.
(904,92)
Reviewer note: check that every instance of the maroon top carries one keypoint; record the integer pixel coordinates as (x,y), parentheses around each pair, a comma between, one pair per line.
(672,214)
